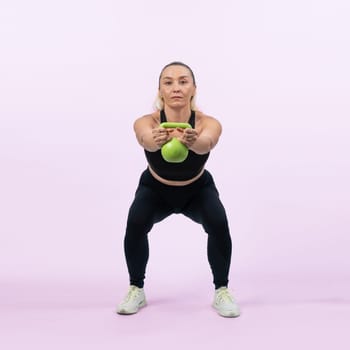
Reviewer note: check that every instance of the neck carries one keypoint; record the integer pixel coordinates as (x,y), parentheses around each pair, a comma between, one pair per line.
(180,115)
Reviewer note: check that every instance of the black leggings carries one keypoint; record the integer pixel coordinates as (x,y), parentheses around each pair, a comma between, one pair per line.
(155,201)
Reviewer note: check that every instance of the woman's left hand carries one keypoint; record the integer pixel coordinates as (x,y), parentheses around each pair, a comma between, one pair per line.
(187,136)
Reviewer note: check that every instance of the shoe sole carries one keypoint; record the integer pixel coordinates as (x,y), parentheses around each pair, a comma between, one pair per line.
(125,312)
(228,314)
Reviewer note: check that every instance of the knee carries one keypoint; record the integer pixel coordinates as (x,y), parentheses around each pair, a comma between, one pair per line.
(217,226)
(138,225)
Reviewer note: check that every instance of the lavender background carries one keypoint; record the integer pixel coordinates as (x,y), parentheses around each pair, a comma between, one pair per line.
(73,77)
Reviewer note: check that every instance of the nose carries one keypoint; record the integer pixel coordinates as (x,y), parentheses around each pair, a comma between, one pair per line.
(176,87)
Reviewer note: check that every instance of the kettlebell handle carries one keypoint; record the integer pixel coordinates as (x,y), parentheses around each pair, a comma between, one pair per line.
(175,125)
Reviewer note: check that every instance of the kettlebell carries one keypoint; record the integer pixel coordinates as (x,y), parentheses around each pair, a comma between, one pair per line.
(174,151)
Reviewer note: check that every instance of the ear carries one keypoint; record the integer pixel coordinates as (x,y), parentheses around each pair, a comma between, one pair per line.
(194,93)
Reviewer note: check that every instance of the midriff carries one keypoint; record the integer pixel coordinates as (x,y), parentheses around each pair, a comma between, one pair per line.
(175,182)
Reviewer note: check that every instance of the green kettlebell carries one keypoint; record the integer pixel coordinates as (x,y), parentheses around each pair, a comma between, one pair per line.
(174,151)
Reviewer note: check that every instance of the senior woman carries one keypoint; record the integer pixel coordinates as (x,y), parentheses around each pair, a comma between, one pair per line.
(184,187)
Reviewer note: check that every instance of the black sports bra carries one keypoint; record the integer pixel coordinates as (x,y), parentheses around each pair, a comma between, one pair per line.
(186,170)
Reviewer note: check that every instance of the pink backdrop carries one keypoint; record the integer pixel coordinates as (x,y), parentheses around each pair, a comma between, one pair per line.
(73,77)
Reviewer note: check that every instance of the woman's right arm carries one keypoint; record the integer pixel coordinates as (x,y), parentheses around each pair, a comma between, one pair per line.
(148,133)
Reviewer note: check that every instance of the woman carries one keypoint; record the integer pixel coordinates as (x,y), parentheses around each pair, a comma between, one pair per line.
(166,188)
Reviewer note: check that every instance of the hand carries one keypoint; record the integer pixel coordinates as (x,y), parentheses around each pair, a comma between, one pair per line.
(161,136)
(188,136)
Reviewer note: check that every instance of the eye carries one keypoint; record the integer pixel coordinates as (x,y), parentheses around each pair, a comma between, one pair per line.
(183,82)
(167,82)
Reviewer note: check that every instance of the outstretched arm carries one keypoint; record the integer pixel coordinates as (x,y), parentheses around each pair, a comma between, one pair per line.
(203,140)
(148,133)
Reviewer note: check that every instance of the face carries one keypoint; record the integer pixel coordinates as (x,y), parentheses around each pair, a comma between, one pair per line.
(176,87)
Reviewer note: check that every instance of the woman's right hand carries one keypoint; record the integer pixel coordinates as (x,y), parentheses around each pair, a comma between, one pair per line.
(161,136)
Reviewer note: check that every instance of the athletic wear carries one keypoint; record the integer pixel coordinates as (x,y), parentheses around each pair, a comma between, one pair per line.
(199,201)
(225,304)
(133,301)
(154,201)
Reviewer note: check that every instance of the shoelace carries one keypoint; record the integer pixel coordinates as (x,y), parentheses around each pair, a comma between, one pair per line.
(224,296)
(132,294)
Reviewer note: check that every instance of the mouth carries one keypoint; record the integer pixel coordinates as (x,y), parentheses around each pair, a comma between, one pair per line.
(176,97)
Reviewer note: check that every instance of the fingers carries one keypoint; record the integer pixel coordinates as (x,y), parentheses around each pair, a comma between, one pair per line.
(160,136)
(189,137)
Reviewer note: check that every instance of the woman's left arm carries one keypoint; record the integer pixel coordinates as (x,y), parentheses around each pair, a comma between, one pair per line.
(203,140)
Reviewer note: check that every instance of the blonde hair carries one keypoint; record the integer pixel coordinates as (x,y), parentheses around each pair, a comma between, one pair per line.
(158,103)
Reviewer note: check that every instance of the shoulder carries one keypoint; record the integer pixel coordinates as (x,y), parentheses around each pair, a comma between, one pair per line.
(204,121)
(151,119)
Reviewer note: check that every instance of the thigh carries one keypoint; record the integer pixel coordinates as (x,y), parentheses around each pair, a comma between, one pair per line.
(147,208)
(207,209)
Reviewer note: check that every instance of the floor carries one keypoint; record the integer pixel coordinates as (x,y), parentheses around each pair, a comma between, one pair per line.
(80,315)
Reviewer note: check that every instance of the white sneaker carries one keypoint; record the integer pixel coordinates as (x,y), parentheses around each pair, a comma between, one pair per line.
(133,301)
(225,304)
